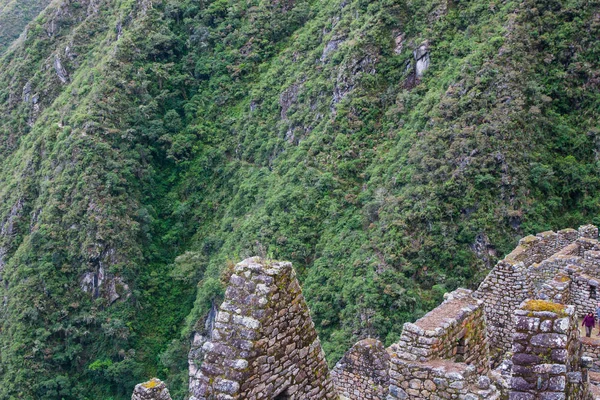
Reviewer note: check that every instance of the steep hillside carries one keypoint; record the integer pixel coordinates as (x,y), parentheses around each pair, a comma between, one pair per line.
(14,16)
(391,150)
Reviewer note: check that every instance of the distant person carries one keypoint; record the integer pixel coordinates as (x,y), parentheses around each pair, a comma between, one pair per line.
(598,316)
(589,322)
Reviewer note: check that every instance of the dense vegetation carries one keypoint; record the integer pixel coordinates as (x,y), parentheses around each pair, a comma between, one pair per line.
(14,16)
(148,145)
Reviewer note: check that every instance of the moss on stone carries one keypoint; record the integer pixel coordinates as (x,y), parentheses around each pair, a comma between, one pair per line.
(543,305)
(151,384)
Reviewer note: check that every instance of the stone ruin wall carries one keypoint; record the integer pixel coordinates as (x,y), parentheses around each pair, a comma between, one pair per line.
(202,334)
(557,290)
(444,354)
(455,330)
(501,292)
(591,349)
(264,344)
(363,372)
(439,379)
(547,353)
(522,274)
(584,290)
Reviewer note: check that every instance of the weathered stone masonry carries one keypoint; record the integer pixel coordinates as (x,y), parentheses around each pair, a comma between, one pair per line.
(363,372)
(264,344)
(521,275)
(154,389)
(547,353)
(444,354)
(514,338)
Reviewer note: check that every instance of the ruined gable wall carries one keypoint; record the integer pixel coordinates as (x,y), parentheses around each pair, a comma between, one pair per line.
(363,372)
(264,343)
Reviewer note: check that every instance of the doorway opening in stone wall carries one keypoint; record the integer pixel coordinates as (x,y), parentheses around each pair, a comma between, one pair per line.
(461,349)
(283,395)
(593,294)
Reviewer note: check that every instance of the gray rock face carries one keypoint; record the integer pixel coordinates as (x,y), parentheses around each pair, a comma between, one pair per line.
(330,47)
(154,389)
(287,99)
(61,72)
(422,60)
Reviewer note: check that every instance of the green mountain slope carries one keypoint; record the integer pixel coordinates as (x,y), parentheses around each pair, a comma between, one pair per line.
(14,16)
(148,145)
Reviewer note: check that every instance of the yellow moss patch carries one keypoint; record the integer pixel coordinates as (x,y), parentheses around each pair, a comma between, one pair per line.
(563,278)
(527,240)
(151,384)
(543,305)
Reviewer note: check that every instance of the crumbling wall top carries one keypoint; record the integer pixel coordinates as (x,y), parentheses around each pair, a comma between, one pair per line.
(455,330)
(363,372)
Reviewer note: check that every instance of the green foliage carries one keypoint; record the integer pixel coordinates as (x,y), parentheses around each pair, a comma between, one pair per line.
(194,134)
(14,16)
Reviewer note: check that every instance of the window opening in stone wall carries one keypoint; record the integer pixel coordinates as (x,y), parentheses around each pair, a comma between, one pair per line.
(283,396)
(593,292)
(461,349)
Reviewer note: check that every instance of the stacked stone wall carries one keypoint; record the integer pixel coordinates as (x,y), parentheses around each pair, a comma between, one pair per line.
(585,291)
(557,290)
(202,334)
(264,344)
(591,262)
(363,372)
(522,274)
(534,249)
(587,244)
(549,268)
(455,330)
(505,287)
(439,379)
(591,349)
(547,353)
(588,231)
